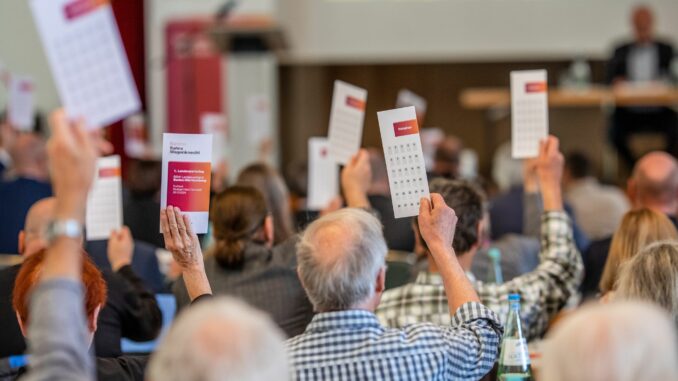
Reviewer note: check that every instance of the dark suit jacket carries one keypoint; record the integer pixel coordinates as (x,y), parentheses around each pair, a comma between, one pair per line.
(131,311)
(618,65)
(16,197)
(144,262)
(124,368)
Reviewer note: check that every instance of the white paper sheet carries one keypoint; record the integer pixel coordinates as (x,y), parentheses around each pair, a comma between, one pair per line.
(87,58)
(215,124)
(20,108)
(323,174)
(346,121)
(259,121)
(408,98)
(529,112)
(186,176)
(104,201)
(404,160)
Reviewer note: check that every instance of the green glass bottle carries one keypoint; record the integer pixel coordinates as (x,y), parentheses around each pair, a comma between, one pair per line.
(514,358)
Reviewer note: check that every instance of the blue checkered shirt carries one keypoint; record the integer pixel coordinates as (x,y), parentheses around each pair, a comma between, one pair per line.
(353,345)
(543,292)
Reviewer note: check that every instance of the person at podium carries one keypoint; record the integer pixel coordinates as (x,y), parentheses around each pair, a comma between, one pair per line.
(643,62)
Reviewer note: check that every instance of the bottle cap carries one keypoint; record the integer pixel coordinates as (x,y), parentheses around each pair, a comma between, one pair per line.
(514,297)
(494,253)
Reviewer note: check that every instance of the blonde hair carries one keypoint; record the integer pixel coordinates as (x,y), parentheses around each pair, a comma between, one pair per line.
(652,276)
(638,229)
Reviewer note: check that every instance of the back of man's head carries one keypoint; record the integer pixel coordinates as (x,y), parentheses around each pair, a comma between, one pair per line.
(29,155)
(468,202)
(654,182)
(33,237)
(578,165)
(447,157)
(221,339)
(340,256)
(624,341)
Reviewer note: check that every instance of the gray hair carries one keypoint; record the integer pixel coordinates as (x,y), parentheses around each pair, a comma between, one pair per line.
(221,340)
(621,341)
(652,275)
(340,256)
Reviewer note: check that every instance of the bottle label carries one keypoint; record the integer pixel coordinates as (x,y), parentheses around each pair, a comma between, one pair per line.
(514,352)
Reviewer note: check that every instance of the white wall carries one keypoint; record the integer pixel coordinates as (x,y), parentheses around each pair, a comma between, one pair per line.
(437,30)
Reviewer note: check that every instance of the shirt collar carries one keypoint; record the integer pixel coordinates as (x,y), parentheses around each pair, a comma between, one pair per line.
(343,320)
(429,278)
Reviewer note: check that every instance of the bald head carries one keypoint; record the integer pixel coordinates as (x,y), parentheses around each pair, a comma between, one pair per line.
(33,238)
(29,156)
(341,257)
(642,20)
(654,183)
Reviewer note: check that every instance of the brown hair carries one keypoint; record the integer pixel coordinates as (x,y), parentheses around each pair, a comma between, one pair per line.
(271,185)
(638,229)
(238,215)
(29,275)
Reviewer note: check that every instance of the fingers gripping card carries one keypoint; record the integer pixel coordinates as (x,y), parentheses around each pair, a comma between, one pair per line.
(529,112)
(404,160)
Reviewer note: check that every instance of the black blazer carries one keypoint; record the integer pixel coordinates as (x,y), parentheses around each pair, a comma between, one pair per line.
(617,66)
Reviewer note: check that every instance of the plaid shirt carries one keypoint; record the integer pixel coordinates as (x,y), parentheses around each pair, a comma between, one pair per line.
(543,292)
(353,345)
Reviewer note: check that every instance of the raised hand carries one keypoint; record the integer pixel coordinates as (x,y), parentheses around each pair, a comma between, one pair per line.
(355,180)
(120,248)
(549,164)
(72,160)
(180,239)
(437,223)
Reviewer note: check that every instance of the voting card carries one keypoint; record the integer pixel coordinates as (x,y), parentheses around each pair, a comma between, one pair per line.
(87,58)
(215,124)
(259,120)
(404,160)
(529,112)
(323,174)
(346,121)
(409,98)
(104,201)
(136,140)
(20,107)
(186,176)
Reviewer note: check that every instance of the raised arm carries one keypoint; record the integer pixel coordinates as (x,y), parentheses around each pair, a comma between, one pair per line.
(184,245)
(141,318)
(355,180)
(57,332)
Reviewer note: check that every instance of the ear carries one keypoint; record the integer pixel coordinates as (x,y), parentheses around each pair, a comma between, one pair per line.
(269,230)
(21,324)
(480,233)
(22,242)
(94,319)
(380,284)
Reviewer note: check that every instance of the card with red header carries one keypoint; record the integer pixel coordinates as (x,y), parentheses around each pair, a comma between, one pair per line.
(323,175)
(404,160)
(529,112)
(87,59)
(186,176)
(104,202)
(20,106)
(346,121)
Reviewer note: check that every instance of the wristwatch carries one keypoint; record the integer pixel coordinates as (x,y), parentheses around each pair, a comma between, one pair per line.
(64,228)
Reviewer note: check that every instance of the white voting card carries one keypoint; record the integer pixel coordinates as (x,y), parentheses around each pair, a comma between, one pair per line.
(104,202)
(186,176)
(404,160)
(87,58)
(215,124)
(20,108)
(259,121)
(323,174)
(408,98)
(346,121)
(529,112)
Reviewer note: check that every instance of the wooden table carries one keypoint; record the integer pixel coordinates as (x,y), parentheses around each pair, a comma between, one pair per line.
(496,102)
(482,98)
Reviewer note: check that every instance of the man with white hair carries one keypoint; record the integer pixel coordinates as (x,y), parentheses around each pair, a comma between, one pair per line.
(341,259)
(222,339)
(625,341)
